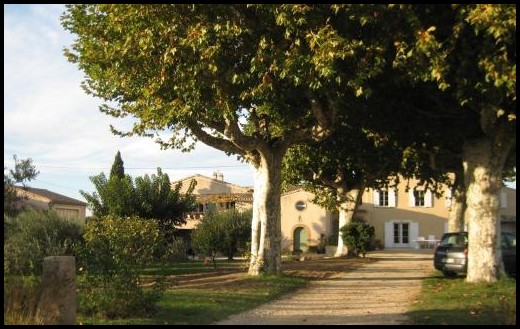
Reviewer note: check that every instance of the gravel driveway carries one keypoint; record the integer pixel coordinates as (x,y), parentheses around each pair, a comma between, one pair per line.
(378,292)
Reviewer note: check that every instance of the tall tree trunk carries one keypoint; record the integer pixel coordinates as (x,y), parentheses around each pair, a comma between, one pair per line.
(266,232)
(346,211)
(457,207)
(483,164)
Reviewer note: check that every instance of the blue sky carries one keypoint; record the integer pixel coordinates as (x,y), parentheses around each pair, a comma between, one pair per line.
(49,118)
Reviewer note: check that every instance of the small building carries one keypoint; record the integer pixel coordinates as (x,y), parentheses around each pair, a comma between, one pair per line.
(42,199)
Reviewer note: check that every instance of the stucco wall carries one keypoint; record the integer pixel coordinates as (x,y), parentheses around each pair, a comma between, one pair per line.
(423,221)
(314,219)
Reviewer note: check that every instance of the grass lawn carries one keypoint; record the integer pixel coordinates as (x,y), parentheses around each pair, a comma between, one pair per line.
(453,301)
(195,266)
(203,305)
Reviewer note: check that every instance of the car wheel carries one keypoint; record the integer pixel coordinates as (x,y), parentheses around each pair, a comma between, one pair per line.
(449,274)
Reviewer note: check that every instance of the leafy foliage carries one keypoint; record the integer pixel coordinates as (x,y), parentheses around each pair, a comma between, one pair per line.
(113,196)
(250,80)
(156,198)
(150,196)
(24,171)
(358,236)
(34,235)
(116,249)
(223,232)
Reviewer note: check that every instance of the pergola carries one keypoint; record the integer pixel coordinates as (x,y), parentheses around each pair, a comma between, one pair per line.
(225,197)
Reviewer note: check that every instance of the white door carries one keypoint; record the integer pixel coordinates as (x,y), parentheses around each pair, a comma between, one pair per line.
(400,234)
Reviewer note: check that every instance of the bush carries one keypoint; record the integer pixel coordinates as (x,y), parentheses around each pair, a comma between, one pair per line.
(115,251)
(175,251)
(358,235)
(224,232)
(34,235)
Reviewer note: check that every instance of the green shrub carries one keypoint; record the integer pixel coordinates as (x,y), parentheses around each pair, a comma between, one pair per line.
(357,236)
(224,232)
(115,251)
(34,235)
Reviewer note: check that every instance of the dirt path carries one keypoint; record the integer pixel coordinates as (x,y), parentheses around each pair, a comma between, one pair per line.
(378,292)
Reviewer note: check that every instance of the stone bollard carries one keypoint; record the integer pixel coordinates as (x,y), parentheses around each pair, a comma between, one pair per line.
(58,301)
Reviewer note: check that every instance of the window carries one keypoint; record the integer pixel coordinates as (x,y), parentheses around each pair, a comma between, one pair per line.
(419,198)
(401,233)
(200,207)
(383,198)
(300,205)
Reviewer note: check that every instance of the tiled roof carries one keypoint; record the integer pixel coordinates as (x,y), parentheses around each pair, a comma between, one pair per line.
(189,178)
(52,196)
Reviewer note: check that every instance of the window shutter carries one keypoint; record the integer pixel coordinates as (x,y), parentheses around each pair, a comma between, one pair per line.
(503,199)
(447,200)
(391,197)
(428,198)
(414,231)
(389,234)
(376,198)
(411,198)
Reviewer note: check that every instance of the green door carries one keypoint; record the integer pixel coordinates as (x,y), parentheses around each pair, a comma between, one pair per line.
(300,240)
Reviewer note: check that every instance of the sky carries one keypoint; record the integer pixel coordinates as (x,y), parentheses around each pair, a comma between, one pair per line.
(50,119)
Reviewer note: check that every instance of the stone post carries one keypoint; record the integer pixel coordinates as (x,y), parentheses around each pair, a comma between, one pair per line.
(58,300)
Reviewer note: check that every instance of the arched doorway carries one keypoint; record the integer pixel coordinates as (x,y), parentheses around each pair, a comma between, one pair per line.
(300,240)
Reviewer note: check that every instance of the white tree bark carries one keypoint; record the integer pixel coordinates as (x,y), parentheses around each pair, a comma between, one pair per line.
(266,251)
(346,212)
(483,164)
(457,209)
(344,218)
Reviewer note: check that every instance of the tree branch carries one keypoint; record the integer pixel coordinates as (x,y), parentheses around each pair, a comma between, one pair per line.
(235,135)
(218,143)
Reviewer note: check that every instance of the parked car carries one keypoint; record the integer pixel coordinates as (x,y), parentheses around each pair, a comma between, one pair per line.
(451,253)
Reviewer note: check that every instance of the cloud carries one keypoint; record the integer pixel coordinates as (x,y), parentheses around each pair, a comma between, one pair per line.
(49,118)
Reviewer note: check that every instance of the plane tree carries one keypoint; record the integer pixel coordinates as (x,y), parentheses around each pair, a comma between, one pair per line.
(250,80)
(469,52)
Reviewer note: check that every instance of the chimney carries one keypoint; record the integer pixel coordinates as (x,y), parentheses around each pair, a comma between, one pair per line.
(220,176)
(215,175)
